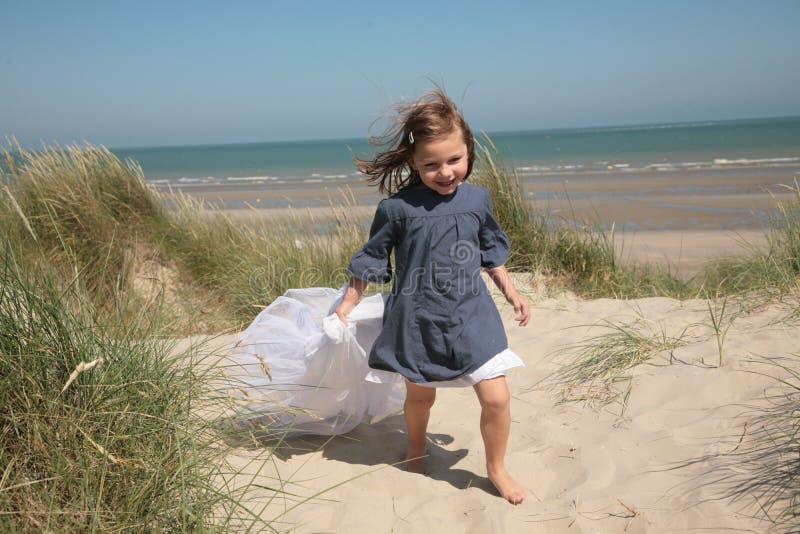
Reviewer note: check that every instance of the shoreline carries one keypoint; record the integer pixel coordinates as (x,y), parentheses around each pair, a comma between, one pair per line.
(623,175)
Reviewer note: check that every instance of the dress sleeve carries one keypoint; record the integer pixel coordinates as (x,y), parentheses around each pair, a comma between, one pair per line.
(494,242)
(371,263)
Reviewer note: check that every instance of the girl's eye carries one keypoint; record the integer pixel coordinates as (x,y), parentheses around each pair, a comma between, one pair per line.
(455,160)
(430,165)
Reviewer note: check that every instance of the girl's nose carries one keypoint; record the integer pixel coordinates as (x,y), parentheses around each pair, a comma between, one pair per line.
(445,171)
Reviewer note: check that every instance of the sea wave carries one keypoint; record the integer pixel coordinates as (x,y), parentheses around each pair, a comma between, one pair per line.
(251,178)
(188,180)
(658,166)
(546,168)
(329,176)
(744,161)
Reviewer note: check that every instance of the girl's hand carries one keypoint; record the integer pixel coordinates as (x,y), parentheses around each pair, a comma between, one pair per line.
(521,307)
(343,310)
(350,298)
(503,282)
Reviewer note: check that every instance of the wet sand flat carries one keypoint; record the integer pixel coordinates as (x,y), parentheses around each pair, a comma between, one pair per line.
(740,198)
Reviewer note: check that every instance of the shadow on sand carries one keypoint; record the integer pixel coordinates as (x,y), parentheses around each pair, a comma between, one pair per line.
(379,444)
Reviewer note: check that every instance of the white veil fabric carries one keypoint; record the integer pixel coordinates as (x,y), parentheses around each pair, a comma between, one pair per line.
(298,368)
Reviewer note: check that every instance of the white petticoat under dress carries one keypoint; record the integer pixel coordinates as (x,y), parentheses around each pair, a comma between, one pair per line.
(497,366)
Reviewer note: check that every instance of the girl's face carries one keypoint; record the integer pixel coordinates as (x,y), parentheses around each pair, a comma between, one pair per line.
(441,163)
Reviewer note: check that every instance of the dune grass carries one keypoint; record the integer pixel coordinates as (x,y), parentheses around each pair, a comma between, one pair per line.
(104,427)
(85,208)
(82,208)
(99,427)
(86,216)
(250,264)
(775,457)
(602,362)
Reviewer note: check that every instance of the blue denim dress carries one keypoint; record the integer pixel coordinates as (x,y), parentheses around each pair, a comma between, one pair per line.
(439,321)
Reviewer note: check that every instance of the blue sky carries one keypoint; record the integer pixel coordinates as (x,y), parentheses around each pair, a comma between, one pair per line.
(173,73)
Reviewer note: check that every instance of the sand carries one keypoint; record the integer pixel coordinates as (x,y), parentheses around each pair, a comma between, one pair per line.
(651,464)
(685,252)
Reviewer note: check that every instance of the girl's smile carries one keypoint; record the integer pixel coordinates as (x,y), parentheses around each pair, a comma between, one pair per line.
(441,163)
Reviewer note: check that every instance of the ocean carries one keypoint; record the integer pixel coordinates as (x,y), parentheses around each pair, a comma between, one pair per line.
(624,150)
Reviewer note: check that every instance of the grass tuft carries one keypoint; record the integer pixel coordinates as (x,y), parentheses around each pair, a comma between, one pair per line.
(769,273)
(99,429)
(84,207)
(765,466)
(604,361)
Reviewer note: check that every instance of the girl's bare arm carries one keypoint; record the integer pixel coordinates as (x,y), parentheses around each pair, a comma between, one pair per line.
(503,281)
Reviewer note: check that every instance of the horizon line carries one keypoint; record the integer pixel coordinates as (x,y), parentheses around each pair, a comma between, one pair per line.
(696,122)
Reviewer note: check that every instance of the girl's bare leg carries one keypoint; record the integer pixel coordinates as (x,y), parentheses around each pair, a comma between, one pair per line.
(417,411)
(495,402)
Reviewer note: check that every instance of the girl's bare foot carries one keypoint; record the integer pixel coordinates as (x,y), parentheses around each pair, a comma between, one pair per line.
(507,486)
(416,465)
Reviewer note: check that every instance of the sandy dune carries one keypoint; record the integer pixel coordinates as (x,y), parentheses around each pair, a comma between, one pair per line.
(654,464)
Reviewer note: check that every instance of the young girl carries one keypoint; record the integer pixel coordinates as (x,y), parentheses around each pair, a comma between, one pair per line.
(440,325)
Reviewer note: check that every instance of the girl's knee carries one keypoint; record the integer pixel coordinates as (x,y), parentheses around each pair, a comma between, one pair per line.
(498,403)
(419,397)
(493,394)
(424,403)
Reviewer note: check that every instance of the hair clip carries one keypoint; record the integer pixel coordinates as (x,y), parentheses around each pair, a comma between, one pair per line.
(411,137)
